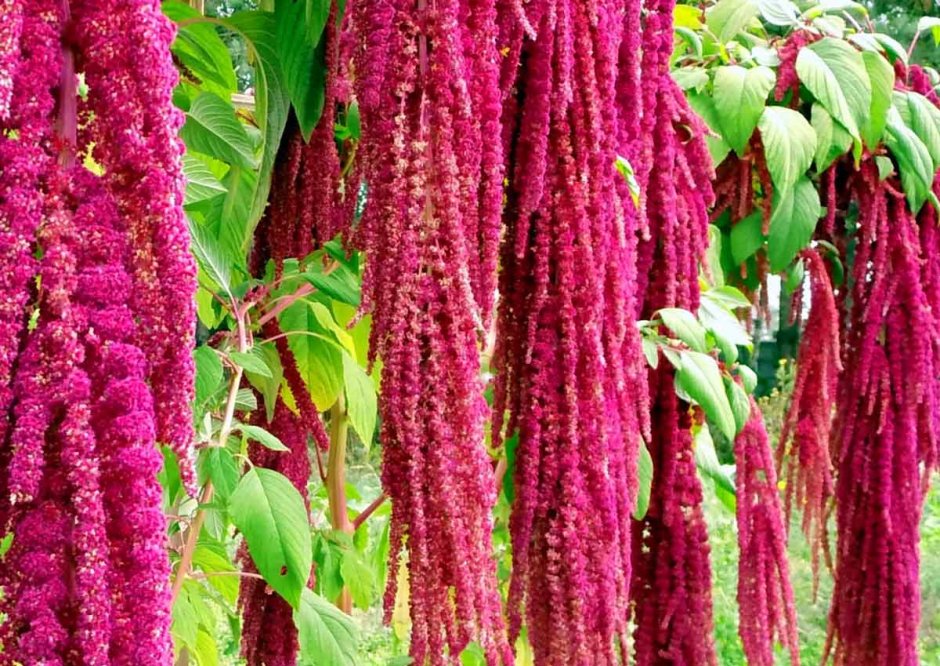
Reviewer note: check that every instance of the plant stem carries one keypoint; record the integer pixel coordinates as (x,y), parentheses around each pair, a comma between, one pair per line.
(192,538)
(368,511)
(336,483)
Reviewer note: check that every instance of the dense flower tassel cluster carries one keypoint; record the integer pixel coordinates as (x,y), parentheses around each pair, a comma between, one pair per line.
(570,379)
(124,52)
(885,434)
(425,79)
(671,596)
(86,578)
(10,29)
(803,456)
(765,596)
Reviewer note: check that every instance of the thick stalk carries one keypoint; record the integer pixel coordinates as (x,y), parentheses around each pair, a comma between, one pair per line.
(192,538)
(336,483)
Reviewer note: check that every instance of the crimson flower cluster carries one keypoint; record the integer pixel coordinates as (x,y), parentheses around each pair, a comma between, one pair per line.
(765,596)
(570,379)
(426,82)
(97,286)
(672,606)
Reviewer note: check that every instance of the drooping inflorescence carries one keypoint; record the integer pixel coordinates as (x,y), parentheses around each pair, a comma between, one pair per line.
(671,589)
(570,380)
(802,455)
(884,437)
(86,577)
(426,83)
(765,596)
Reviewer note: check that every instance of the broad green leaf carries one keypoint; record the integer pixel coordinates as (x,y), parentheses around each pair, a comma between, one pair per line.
(319,360)
(328,555)
(185,621)
(220,466)
(728,297)
(740,96)
(885,167)
(729,17)
(794,279)
(272,102)
(835,74)
(931,24)
(251,362)
(270,513)
(779,12)
(832,140)
(704,106)
(301,63)
(644,472)
(740,403)
(209,375)
(746,237)
(881,76)
(723,323)
(340,284)
(789,144)
(651,352)
(748,377)
(359,578)
(326,634)
(701,380)
(706,459)
(685,326)
(690,77)
(214,262)
(892,47)
(201,183)
(924,122)
(262,436)
(200,49)
(914,162)
(361,403)
(792,223)
(205,650)
(229,215)
(269,386)
(687,16)
(211,558)
(213,129)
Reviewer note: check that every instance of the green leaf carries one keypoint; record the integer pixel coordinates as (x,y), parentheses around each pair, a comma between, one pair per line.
(651,352)
(340,284)
(789,144)
(644,472)
(201,183)
(704,106)
(885,166)
(779,12)
(301,63)
(835,74)
(932,24)
(222,470)
(686,327)
(214,262)
(746,237)
(319,360)
(706,459)
(881,76)
(211,558)
(270,513)
(728,297)
(914,162)
(251,362)
(209,375)
(269,386)
(792,223)
(740,96)
(723,324)
(262,436)
(700,378)
(361,402)
(625,169)
(213,129)
(748,377)
(359,578)
(200,49)
(729,17)
(205,650)
(832,140)
(740,403)
(326,634)
(272,102)
(925,122)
